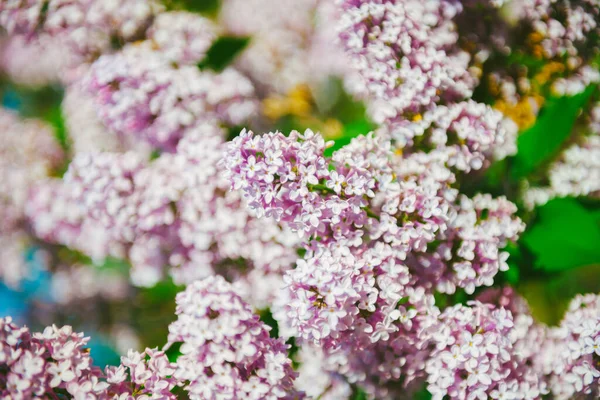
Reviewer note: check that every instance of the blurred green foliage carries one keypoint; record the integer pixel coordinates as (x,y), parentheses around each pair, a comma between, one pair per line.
(545,138)
(223,51)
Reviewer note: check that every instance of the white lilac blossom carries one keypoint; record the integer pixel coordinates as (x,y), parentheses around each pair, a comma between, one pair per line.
(141,93)
(89,27)
(474,356)
(576,372)
(225,348)
(405,56)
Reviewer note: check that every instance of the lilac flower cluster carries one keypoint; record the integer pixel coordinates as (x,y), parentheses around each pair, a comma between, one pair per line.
(380,235)
(90,27)
(576,371)
(182,37)
(474,357)
(36,365)
(225,349)
(175,211)
(56,362)
(416,79)
(141,93)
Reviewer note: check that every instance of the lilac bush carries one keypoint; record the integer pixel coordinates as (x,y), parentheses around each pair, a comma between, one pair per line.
(336,198)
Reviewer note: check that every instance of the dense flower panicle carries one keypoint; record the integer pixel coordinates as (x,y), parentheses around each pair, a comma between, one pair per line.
(89,27)
(405,55)
(281,178)
(105,182)
(182,37)
(141,93)
(365,191)
(578,171)
(576,372)
(175,211)
(293,41)
(42,365)
(468,135)
(226,349)
(474,357)
(34,365)
(51,59)
(468,254)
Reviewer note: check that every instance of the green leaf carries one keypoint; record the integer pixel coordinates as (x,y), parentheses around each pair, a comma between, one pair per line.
(565,236)
(545,138)
(208,7)
(350,131)
(174,351)
(223,51)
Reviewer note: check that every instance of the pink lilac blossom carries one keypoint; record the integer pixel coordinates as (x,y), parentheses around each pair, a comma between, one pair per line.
(468,135)
(405,56)
(146,375)
(225,348)
(35,365)
(175,211)
(467,255)
(56,362)
(140,93)
(364,191)
(474,357)
(576,371)
(89,27)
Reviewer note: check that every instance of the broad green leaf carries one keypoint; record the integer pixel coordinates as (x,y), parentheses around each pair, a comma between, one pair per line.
(223,51)
(544,139)
(566,235)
